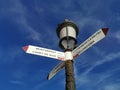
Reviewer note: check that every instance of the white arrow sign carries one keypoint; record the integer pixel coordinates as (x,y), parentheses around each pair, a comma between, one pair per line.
(56,70)
(44,52)
(99,35)
(96,37)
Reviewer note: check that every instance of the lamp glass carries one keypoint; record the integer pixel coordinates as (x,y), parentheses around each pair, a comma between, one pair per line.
(68,44)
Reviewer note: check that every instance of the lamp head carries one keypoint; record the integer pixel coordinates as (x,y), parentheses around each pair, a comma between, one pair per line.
(67,32)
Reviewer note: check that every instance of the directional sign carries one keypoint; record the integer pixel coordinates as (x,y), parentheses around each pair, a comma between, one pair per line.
(99,35)
(44,52)
(56,70)
(96,37)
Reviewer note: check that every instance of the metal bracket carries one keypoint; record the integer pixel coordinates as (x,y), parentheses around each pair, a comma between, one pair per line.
(68,55)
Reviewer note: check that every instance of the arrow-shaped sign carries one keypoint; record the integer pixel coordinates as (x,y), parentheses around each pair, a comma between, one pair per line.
(56,70)
(96,37)
(44,52)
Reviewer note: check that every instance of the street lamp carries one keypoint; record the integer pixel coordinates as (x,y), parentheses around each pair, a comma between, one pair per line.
(67,32)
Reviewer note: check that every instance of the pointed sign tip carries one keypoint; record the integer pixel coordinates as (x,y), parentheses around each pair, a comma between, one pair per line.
(105,30)
(48,77)
(25,48)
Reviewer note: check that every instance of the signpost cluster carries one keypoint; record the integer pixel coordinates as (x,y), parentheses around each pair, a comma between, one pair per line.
(67,31)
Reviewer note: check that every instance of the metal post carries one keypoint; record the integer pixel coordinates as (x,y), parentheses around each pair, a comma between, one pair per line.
(70,80)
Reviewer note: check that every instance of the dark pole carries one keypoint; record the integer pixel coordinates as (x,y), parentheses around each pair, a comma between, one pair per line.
(70,80)
(69,69)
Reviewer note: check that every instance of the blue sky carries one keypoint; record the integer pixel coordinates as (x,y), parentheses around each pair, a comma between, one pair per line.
(24,22)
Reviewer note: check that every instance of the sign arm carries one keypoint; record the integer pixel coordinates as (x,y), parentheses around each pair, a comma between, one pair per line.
(56,70)
(96,37)
(44,52)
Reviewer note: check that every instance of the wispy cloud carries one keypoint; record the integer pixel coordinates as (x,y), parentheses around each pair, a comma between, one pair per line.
(8,55)
(38,86)
(17,13)
(37,34)
(115,86)
(116,35)
(86,77)
(99,51)
(89,21)
(109,58)
(16,82)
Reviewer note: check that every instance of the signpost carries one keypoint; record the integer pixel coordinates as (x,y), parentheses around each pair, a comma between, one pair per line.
(67,32)
(44,52)
(96,37)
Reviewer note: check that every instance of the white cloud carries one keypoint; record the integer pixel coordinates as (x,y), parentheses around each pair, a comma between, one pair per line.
(116,35)
(85,78)
(8,55)
(41,85)
(93,22)
(112,87)
(16,82)
(109,58)
(17,12)
(23,24)
(99,51)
